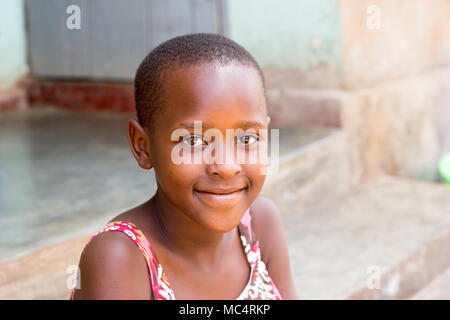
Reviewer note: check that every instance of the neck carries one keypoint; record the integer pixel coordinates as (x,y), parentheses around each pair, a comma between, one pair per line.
(185,237)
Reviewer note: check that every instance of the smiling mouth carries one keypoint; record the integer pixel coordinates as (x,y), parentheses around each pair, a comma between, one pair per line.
(220,198)
(221,191)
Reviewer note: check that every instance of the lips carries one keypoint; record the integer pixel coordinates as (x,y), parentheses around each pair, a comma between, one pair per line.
(220,197)
(220,190)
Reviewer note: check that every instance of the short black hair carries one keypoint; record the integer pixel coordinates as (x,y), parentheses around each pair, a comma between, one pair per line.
(186,50)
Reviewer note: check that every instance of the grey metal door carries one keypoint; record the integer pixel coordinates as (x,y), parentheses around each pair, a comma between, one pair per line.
(113,35)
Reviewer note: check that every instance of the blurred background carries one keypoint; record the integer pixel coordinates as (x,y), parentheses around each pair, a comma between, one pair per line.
(360,91)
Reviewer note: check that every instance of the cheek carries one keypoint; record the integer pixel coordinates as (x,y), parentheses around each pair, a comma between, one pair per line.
(180,177)
(174,177)
(257,179)
(176,182)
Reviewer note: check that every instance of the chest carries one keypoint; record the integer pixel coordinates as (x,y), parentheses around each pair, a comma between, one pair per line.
(226,280)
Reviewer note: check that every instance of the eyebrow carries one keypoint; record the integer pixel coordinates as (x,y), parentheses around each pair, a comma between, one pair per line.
(242,125)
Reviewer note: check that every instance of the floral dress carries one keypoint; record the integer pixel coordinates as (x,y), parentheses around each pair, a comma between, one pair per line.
(259,286)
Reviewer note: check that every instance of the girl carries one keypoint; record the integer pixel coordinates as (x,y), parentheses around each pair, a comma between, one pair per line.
(205,234)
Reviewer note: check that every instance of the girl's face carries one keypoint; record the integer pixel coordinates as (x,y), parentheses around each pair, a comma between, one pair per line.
(222,97)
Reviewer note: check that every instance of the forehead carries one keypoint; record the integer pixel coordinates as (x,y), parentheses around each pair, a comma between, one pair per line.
(213,93)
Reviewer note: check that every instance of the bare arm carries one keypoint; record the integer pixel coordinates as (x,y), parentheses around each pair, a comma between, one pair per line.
(269,230)
(112,267)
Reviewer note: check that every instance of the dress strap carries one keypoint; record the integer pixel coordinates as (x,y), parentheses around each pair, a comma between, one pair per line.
(160,286)
(248,238)
(260,284)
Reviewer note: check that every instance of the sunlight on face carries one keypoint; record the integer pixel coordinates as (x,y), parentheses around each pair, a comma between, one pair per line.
(225,99)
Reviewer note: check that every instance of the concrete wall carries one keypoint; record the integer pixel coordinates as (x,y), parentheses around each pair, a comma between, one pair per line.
(12,42)
(298,45)
(13,63)
(412,38)
(396,80)
(286,33)
(378,68)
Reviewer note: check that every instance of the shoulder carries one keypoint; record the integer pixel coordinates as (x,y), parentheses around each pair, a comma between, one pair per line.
(265,215)
(264,206)
(112,267)
(268,228)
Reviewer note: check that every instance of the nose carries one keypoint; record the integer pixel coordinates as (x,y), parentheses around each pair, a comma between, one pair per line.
(226,171)
(225,164)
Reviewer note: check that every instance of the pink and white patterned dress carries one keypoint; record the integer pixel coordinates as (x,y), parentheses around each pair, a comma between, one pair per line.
(259,286)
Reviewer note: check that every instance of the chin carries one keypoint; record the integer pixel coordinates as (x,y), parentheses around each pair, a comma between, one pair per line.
(222,222)
(226,228)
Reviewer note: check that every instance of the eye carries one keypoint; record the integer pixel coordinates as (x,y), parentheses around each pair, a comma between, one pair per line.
(193,141)
(248,139)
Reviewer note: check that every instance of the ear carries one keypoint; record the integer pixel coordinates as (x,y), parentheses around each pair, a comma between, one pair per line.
(268,120)
(139,144)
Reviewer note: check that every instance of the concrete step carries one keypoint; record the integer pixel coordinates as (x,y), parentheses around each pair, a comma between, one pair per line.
(42,274)
(59,165)
(385,239)
(341,237)
(377,242)
(438,289)
(314,167)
